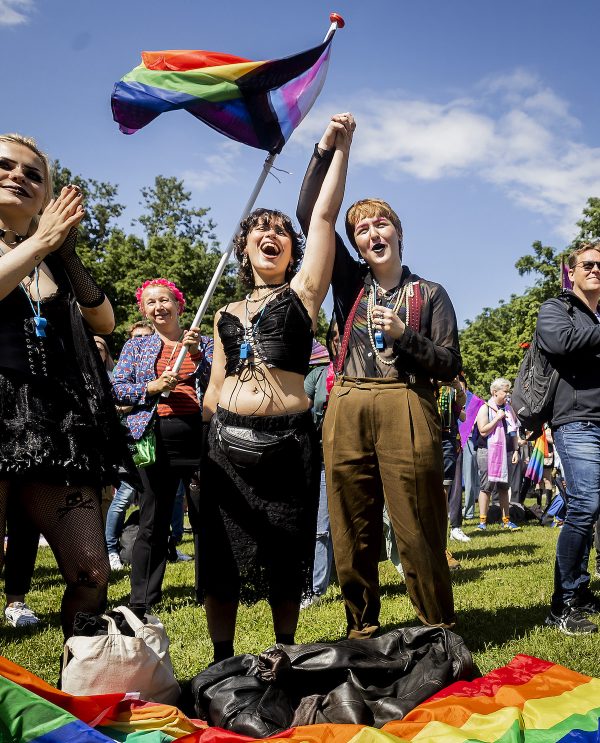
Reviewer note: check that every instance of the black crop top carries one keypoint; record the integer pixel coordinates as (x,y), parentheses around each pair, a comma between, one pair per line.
(282,336)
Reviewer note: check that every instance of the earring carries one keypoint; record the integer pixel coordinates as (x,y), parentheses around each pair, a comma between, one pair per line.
(245,261)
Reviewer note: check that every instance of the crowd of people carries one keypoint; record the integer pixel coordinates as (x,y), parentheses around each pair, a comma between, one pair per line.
(288,473)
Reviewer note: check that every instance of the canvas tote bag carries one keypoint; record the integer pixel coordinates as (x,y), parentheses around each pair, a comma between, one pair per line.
(118,663)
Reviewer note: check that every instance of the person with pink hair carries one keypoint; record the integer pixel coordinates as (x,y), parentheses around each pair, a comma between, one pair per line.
(144,371)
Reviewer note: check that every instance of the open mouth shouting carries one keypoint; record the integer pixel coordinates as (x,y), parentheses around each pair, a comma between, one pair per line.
(270,249)
(378,248)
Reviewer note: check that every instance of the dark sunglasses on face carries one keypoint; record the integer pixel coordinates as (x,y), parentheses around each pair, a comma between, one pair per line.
(589,265)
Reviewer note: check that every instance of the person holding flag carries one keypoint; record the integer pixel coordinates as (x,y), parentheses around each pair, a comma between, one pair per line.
(260,473)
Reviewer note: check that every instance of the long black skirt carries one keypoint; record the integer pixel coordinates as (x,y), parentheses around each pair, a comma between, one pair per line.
(258,524)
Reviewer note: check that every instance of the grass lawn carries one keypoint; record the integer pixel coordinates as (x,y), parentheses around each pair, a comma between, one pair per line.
(502,594)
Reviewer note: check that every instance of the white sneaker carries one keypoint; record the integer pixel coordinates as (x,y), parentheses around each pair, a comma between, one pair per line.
(115,561)
(458,534)
(182,557)
(310,601)
(20,615)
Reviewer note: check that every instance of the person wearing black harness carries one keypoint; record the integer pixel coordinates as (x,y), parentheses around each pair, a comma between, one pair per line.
(260,475)
(381,435)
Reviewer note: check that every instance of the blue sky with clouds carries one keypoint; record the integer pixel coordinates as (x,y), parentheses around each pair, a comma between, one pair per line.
(476,120)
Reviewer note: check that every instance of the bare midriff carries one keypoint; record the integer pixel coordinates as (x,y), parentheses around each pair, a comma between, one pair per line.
(268,392)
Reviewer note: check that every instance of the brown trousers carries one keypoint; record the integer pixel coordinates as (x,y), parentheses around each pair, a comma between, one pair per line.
(382,442)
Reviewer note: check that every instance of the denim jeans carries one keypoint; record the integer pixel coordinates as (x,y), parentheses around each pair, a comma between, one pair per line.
(471,477)
(578,446)
(115,518)
(323,546)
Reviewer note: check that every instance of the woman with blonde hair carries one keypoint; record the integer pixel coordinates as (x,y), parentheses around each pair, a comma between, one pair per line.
(60,439)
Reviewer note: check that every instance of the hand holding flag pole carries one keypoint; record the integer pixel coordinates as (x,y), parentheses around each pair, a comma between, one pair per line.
(257,103)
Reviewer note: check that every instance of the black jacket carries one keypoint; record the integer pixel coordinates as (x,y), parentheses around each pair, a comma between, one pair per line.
(365,682)
(431,353)
(569,332)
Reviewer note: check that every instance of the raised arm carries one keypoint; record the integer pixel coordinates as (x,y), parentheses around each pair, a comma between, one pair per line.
(313,279)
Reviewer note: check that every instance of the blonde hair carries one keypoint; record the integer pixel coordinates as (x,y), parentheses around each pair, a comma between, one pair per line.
(572,259)
(499,384)
(31,144)
(371,208)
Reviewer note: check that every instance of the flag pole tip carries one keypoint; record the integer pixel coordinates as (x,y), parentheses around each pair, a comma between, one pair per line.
(337,18)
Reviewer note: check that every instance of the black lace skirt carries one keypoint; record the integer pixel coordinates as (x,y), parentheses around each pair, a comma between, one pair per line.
(258,524)
(49,433)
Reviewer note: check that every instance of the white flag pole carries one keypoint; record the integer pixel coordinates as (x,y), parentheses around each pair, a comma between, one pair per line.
(336,21)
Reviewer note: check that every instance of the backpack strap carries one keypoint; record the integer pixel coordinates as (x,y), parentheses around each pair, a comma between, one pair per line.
(415,302)
(339,364)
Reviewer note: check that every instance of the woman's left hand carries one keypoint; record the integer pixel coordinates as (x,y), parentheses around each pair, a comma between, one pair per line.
(191,339)
(384,318)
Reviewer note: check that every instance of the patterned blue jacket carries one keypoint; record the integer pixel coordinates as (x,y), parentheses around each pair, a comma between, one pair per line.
(137,366)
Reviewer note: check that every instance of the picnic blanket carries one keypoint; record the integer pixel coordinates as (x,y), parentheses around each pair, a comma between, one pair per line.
(527,701)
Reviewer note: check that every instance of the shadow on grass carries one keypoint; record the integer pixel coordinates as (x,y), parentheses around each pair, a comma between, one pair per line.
(482,628)
(474,552)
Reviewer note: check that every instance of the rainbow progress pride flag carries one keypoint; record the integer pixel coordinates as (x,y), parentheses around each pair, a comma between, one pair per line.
(527,701)
(256,103)
(535,468)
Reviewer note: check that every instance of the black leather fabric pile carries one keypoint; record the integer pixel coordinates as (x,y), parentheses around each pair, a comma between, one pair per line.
(368,682)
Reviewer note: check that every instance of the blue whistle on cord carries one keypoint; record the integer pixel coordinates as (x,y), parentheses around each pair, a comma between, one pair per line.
(40,326)
(245,350)
(379,342)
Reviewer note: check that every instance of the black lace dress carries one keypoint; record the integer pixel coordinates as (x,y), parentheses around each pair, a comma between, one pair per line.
(58,419)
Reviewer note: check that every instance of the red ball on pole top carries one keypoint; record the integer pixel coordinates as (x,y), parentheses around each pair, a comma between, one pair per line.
(337,18)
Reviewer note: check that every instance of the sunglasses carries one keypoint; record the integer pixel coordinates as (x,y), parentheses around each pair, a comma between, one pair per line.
(589,265)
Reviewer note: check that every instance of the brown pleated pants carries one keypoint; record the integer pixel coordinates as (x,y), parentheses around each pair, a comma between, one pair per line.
(382,442)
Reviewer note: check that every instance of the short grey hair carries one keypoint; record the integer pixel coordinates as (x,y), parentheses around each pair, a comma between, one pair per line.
(499,384)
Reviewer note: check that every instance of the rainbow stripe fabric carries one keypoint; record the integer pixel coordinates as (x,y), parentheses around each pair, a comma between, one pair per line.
(528,700)
(257,103)
(535,468)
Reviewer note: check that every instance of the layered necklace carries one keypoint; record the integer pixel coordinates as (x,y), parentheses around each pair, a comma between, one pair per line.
(248,344)
(393,301)
(39,321)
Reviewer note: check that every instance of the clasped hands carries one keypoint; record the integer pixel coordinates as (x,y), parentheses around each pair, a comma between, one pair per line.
(385,319)
(169,379)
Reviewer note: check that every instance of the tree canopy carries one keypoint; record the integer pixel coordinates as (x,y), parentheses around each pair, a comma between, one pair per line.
(492,344)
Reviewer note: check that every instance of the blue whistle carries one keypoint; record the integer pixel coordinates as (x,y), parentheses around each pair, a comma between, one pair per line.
(379,342)
(245,350)
(40,326)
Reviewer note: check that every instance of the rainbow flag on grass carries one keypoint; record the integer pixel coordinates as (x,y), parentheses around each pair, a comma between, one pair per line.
(256,103)
(528,700)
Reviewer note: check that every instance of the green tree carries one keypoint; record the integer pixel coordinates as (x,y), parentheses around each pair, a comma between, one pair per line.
(492,344)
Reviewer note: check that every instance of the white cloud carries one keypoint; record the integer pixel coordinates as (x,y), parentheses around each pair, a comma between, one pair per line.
(220,168)
(14,12)
(512,131)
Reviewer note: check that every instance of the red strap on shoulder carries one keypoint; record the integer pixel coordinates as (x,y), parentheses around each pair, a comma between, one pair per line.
(339,364)
(415,303)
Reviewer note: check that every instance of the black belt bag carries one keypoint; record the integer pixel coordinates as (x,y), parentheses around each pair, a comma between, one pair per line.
(245,447)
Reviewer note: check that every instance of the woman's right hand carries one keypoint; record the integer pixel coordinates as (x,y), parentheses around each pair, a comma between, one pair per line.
(339,123)
(167,381)
(61,214)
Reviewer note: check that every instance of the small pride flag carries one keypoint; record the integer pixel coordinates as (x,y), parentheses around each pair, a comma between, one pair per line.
(535,468)
(256,103)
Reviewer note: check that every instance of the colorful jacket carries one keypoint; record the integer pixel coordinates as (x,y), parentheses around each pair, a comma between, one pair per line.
(137,366)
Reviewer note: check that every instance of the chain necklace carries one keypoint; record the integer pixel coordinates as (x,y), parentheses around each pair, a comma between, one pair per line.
(276,288)
(16,240)
(376,336)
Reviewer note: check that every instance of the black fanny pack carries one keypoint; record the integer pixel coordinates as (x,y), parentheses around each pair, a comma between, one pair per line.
(245,447)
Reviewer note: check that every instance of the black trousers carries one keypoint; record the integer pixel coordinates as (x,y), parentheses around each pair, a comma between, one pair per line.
(21,551)
(177,458)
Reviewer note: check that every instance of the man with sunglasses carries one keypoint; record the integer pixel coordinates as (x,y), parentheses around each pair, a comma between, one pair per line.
(568,329)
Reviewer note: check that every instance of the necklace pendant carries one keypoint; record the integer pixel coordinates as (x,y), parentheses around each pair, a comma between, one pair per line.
(379,341)
(245,350)
(40,326)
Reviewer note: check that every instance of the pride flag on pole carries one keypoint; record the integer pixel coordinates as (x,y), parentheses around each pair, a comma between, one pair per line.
(256,103)
(535,468)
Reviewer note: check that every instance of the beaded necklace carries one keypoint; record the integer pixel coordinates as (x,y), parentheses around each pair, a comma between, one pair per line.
(247,345)
(40,322)
(376,336)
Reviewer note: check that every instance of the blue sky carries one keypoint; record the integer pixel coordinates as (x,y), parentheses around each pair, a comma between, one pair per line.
(477,121)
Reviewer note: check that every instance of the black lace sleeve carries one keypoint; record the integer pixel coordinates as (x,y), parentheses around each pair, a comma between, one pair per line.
(86,291)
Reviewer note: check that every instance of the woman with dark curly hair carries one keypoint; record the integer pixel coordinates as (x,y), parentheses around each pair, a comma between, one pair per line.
(260,476)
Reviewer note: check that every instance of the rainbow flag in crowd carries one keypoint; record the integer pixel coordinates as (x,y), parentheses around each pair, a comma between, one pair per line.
(527,700)
(535,468)
(465,428)
(256,103)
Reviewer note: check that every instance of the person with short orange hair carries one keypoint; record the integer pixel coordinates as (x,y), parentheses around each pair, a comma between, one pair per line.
(382,432)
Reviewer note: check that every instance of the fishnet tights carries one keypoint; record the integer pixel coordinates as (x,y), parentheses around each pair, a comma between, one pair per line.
(71,520)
